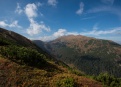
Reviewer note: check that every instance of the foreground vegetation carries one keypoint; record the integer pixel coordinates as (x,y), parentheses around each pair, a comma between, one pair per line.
(108,80)
(13,75)
(23,64)
(23,55)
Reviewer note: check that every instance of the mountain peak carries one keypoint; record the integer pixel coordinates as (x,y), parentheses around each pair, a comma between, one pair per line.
(83,52)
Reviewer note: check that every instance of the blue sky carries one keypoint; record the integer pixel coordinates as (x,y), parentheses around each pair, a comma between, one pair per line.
(49,19)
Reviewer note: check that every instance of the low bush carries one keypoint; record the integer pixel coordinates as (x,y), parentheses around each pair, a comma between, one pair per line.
(65,82)
(108,80)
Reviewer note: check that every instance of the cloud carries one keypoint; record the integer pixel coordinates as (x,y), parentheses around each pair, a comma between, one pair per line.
(99,9)
(102,32)
(14,24)
(95,27)
(94,33)
(109,9)
(105,8)
(80,11)
(34,27)
(52,2)
(60,32)
(86,18)
(39,4)
(31,10)
(46,38)
(110,2)
(18,9)
(63,32)
(3,24)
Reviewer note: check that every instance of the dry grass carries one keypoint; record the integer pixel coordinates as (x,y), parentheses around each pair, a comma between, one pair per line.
(80,81)
(15,75)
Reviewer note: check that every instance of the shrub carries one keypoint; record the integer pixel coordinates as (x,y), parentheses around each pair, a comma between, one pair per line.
(108,80)
(23,55)
(66,82)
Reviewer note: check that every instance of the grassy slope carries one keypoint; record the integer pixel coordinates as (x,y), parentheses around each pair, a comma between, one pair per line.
(13,74)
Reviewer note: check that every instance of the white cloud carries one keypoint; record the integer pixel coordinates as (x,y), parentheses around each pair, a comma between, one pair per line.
(46,38)
(31,10)
(110,2)
(86,18)
(95,27)
(99,9)
(3,24)
(80,11)
(39,4)
(63,32)
(18,9)
(52,2)
(36,28)
(109,9)
(60,32)
(14,24)
(102,32)
(94,33)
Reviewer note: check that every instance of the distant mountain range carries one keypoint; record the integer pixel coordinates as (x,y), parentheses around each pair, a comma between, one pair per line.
(24,64)
(90,55)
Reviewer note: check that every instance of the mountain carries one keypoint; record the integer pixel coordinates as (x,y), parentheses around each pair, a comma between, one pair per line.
(90,55)
(23,64)
(14,38)
(41,45)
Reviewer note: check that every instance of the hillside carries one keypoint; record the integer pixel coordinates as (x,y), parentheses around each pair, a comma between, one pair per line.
(41,45)
(9,37)
(90,55)
(23,64)
(14,74)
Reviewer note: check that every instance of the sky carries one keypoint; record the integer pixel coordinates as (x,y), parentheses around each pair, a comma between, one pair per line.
(47,20)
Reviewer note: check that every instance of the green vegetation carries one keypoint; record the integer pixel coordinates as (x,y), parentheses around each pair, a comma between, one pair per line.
(108,80)
(89,55)
(90,42)
(23,64)
(21,50)
(23,55)
(76,72)
(4,42)
(65,82)
(92,63)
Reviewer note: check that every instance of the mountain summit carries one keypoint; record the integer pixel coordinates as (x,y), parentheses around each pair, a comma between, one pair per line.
(90,55)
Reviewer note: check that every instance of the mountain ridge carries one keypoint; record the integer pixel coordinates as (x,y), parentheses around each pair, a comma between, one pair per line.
(22,63)
(100,55)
